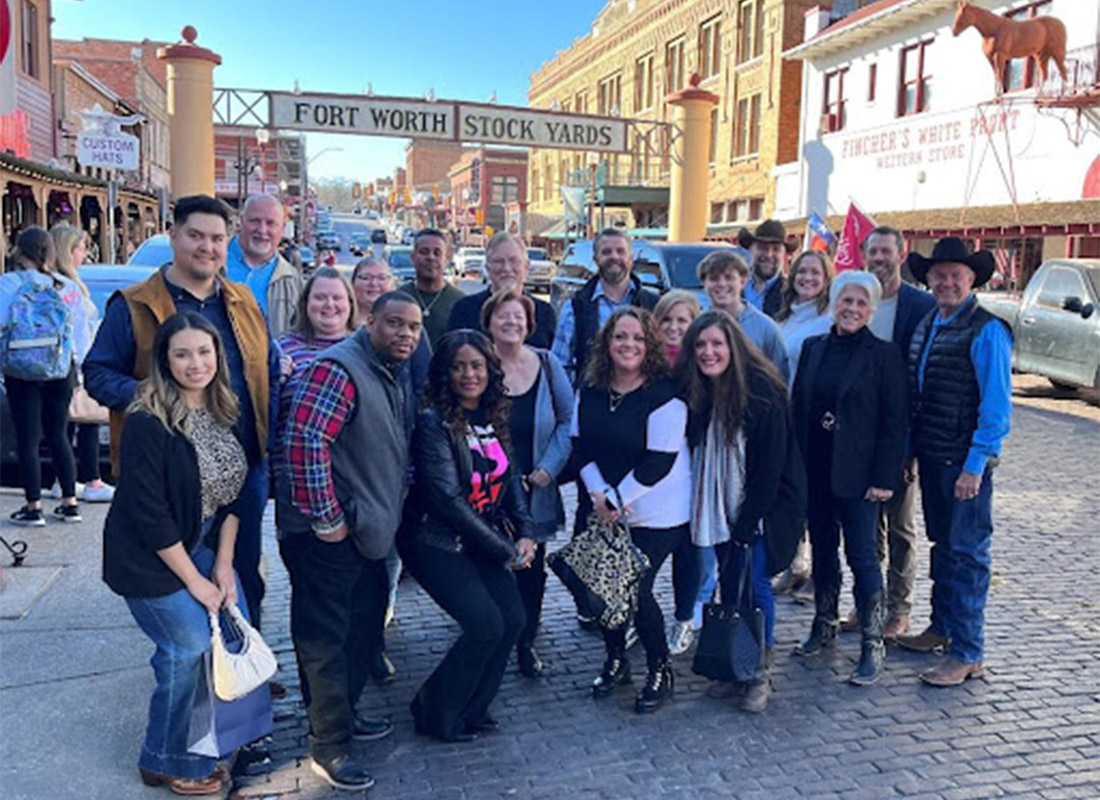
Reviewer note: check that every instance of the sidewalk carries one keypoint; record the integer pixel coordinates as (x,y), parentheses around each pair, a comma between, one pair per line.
(75,681)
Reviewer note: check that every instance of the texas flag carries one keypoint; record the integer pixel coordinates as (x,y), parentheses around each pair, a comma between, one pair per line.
(857,226)
(818,234)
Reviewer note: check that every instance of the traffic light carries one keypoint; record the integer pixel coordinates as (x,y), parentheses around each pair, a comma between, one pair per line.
(435,191)
(408,196)
(489,231)
(479,217)
(356,190)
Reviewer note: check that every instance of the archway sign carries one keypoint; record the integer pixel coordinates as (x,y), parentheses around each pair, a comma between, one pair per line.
(418,118)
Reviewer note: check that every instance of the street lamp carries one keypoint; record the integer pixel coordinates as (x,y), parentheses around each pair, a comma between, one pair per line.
(320,153)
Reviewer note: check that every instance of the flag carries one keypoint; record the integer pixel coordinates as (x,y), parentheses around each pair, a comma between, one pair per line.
(857,226)
(818,235)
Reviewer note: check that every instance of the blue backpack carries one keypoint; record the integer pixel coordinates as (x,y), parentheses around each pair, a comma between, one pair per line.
(37,342)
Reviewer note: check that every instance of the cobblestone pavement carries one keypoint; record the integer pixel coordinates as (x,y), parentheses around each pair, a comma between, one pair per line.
(1030,729)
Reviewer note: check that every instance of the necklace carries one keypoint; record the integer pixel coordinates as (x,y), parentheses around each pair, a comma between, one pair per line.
(614,399)
(427,308)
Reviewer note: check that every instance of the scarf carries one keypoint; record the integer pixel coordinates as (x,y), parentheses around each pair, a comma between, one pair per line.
(718,481)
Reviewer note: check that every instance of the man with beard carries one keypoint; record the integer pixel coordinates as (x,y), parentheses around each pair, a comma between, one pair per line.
(901,308)
(612,287)
(770,253)
(436,297)
(254,260)
(354,392)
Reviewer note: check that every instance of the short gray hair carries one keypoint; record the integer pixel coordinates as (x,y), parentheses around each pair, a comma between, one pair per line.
(854,277)
(500,237)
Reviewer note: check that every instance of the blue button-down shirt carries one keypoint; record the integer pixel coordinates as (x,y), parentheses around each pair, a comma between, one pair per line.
(567,325)
(255,278)
(764,333)
(991,355)
(756,298)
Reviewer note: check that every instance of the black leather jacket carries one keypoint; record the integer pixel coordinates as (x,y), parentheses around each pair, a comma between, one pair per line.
(444,517)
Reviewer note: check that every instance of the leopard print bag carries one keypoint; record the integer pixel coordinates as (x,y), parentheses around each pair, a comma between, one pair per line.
(602,568)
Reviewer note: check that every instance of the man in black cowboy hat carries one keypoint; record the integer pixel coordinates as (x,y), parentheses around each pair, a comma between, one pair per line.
(960,385)
(770,253)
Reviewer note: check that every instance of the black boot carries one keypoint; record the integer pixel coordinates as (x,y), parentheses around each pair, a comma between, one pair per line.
(658,689)
(872,656)
(826,622)
(616,672)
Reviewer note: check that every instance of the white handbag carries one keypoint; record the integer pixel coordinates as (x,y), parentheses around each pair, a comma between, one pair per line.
(237,674)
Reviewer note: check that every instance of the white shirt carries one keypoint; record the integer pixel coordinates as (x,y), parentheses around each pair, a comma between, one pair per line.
(882,323)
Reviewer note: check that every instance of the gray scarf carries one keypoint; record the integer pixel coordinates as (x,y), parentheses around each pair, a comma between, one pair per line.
(718,482)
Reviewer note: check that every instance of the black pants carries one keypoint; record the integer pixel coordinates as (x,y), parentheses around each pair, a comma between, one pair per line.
(531,584)
(294,548)
(87,450)
(41,408)
(336,595)
(483,599)
(657,544)
(686,575)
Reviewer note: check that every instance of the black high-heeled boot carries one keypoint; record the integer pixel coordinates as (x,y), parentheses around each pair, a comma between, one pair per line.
(615,673)
(658,689)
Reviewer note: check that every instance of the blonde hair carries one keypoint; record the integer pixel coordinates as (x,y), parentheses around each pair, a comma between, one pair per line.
(65,237)
(676,297)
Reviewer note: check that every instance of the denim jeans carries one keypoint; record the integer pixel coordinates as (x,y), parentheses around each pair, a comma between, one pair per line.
(246,559)
(961,532)
(708,581)
(858,519)
(729,559)
(180,628)
(393,573)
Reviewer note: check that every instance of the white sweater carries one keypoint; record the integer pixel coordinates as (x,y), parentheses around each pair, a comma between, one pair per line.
(804,322)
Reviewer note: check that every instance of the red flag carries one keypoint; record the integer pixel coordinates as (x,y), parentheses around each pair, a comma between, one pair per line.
(857,226)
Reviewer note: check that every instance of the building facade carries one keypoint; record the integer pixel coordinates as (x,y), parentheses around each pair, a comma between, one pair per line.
(485,183)
(639,52)
(909,121)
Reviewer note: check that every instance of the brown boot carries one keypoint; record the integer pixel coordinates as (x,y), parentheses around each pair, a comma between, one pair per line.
(895,627)
(755,699)
(952,672)
(927,641)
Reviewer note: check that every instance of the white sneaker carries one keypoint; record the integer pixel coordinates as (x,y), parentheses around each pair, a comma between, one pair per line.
(680,637)
(56,490)
(97,494)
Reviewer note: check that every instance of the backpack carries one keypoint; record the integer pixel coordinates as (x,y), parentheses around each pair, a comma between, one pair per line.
(37,342)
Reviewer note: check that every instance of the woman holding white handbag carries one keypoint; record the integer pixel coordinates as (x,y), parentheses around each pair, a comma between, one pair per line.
(170,534)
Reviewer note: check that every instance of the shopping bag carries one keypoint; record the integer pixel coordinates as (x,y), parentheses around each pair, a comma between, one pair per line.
(219,727)
(731,645)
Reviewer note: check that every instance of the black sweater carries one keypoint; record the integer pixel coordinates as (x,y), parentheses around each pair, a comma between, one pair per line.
(157,503)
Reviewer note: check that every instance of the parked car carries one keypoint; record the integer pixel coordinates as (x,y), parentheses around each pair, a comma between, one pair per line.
(408,235)
(359,244)
(400,260)
(329,240)
(470,263)
(309,260)
(155,251)
(542,270)
(1055,323)
(102,280)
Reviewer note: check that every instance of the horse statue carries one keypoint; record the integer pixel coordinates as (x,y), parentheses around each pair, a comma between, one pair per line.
(1003,39)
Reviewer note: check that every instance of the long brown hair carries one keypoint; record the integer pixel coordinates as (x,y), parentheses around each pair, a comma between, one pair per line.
(600,369)
(790,296)
(34,250)
(728,394)
(160,395)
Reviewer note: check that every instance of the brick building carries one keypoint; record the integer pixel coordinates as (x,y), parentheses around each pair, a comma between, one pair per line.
(427,162)
(483,184)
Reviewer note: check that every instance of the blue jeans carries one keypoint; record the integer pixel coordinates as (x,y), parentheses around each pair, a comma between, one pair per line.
(246,558)
(858,518)
(729,558)
(708,580)
(961,532)
(180,628)
(393,573)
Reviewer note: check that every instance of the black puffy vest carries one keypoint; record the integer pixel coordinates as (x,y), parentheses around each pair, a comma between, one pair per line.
(944,413)
(586,319)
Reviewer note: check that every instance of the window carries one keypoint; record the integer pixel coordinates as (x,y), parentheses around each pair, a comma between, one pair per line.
(833,111)
(717,211)
(505,189)
(1020,73)
(713,134)
(580,102)
(872,79)
(1060,284)
(756,208)
(751,27)
(710,47)
(609,95)
(674,65)
(535,183)
(643,82)
(30,40)
(747,128)
(738,210)
(915,86)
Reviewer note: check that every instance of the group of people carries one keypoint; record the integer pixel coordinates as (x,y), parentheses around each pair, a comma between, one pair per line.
(415,428)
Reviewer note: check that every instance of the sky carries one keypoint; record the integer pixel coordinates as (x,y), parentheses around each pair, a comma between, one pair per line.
(459,50)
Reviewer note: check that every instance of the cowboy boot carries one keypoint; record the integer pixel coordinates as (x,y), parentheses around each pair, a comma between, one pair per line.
(872,656)
(826,622)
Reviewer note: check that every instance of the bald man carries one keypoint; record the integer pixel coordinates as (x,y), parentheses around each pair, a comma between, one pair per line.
(254,260)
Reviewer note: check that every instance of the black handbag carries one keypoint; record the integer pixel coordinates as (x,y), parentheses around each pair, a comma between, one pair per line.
(731,645)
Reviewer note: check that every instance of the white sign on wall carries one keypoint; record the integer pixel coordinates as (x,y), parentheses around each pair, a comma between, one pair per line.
(108,150)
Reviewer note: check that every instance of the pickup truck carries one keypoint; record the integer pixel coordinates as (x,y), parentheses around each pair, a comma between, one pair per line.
(1055,322)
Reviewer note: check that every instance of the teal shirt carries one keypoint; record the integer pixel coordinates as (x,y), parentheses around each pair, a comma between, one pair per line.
(255,278)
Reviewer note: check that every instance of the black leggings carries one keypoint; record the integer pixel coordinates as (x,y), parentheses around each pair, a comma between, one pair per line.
(87,450)
(657,544)
(531,584)
(41,409)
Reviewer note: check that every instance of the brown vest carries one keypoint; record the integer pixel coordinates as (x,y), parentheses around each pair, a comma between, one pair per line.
(150,304)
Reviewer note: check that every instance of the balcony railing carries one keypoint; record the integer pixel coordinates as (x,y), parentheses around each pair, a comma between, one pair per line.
(1082,82)
(623,174)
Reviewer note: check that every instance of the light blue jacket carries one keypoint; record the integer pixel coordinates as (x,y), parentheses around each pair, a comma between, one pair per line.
(553,418)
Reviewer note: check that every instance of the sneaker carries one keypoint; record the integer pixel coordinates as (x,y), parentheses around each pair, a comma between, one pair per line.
(68,514)
(56,490)
(368,729)
(104,493)
(28,518)
(680,637)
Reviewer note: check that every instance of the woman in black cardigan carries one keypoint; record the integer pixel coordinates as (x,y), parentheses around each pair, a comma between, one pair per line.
(473,530)
(850,411)
(170,534)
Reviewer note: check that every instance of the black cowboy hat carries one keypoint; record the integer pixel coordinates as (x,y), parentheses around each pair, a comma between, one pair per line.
(953,249)
(770,230)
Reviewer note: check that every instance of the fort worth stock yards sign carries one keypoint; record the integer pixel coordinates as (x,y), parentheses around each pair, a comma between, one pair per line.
(445,119)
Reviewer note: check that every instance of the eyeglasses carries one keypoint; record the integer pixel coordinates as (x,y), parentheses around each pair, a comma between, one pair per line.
(373,278)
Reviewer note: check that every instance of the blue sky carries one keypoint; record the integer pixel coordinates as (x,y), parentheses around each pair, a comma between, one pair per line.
(464,50)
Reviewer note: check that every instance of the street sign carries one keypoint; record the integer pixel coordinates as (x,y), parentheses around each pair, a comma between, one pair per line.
(108,150)
(452,121)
